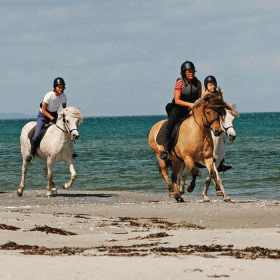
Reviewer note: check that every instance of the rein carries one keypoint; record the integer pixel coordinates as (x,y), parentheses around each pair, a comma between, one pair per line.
(67,129)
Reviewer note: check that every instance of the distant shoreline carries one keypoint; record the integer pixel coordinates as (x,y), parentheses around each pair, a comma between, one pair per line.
(13,116)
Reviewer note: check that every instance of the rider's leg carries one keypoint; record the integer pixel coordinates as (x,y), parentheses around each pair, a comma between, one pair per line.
(174,117)
(35,141)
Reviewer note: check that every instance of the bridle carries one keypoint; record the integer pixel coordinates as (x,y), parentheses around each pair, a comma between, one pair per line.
(210,123)
(67,129)
(225,129)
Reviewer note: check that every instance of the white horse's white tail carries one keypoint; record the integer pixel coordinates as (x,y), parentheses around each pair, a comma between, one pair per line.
(55,146)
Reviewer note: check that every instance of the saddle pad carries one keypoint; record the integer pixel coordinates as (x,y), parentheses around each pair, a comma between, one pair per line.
(42,134)
(174,136)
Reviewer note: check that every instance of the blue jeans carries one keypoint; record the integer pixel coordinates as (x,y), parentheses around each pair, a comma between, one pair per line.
(42,120)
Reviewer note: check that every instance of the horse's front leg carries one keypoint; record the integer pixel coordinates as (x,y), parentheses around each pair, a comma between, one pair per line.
(194,172)
(73,175)
(23,176)
(207,184)
(213,172)
(53,189)
(49,163)
(220,190)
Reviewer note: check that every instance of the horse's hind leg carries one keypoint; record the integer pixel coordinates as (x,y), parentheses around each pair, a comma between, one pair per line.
(73,175)
(23,176)
(176,172)
(164,174)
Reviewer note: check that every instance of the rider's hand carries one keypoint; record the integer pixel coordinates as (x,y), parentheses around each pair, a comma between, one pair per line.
(53,121)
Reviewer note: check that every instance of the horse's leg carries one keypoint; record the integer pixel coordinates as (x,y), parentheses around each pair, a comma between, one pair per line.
(73,174)
(182,178)
(209,163)
(53,189)
(194,172)
(164,174)
(176,168)
(221,190)
(49,163)
(204,194)
(23,176)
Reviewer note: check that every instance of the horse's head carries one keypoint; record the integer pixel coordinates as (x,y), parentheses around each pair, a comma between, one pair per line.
(214,111)
(228,123)
(71,118)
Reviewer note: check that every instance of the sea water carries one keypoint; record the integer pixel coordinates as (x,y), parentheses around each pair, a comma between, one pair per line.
(114,154)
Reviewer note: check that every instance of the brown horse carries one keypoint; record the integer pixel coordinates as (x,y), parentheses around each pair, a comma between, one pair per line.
(194,143)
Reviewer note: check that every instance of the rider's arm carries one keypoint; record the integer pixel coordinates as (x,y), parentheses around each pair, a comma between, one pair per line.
(45,112)
(179,101)
(199,89)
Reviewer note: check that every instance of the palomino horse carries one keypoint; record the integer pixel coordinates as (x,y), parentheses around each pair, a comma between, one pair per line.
(55,146)
(218,154)
(194,142)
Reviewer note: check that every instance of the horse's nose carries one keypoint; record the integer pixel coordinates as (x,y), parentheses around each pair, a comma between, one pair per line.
(232,138)
(75,135)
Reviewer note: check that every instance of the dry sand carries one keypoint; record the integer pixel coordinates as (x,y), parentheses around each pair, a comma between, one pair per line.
(125,235)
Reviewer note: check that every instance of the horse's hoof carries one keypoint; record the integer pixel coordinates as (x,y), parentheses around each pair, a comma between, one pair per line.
(172,194)
(227,199)
(190,189)
(219,193)
(54,191)
(179,199)
(19,194)
(48,195)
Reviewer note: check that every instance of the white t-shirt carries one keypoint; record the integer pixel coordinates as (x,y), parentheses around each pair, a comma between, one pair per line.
(54,101)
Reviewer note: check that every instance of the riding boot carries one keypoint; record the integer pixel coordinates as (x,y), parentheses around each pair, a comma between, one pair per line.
(32,153)
(165,153)
(74,155)
(223,167)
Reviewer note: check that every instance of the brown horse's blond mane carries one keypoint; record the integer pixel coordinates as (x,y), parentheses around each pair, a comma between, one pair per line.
(216,102)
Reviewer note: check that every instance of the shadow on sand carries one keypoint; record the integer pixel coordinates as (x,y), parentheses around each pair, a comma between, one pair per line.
(98,195)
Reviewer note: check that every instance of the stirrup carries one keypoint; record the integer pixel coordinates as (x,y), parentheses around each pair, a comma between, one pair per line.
(29,158)
(164,155)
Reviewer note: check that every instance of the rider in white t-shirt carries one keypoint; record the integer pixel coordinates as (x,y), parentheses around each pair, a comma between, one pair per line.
(48,113)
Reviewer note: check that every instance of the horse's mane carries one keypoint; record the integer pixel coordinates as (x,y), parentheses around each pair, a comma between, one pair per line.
(72,111)
(233,111)
(214,101)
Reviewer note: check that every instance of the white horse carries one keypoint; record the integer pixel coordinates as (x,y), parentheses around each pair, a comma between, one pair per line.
(218,154)
(55,146)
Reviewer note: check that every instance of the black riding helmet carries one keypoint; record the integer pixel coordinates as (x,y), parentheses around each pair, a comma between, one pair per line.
(58,81)
(187,65)
(209,79)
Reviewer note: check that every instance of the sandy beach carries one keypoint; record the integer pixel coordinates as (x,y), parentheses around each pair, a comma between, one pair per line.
(128,235)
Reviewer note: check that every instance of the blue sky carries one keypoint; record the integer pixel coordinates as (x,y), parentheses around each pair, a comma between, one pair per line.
(123,57)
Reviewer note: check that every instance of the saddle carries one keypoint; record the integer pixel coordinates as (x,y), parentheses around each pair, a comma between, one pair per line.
(42,134)
(174,136)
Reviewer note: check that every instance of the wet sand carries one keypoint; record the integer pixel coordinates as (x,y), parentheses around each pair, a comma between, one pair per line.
(125,235)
